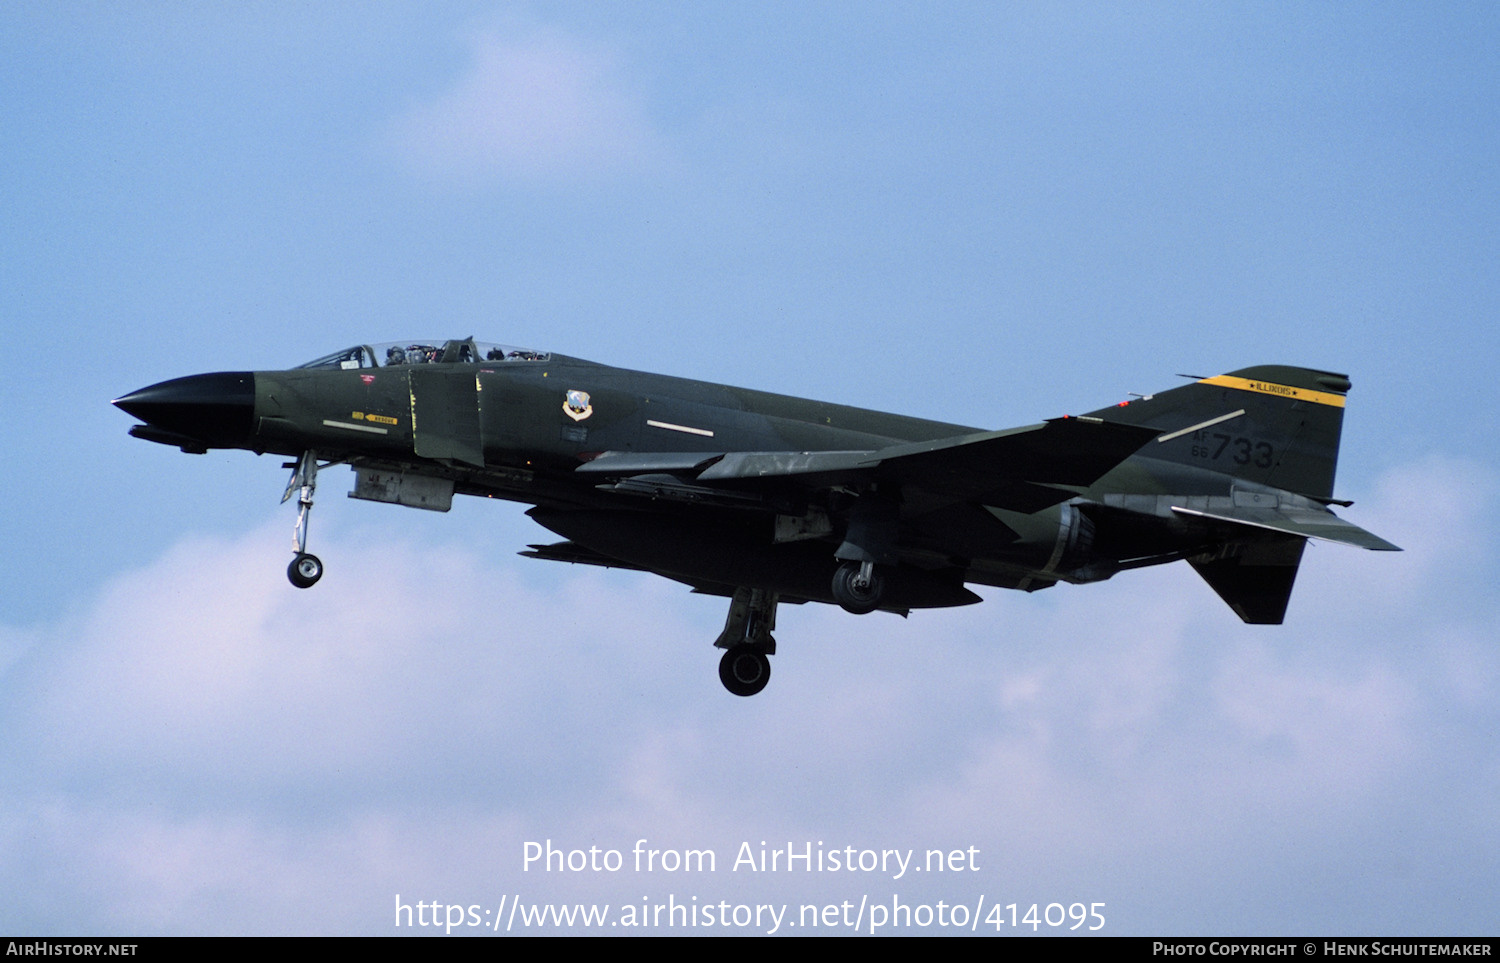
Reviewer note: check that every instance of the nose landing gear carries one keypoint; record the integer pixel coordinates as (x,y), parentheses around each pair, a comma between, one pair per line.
(306,568)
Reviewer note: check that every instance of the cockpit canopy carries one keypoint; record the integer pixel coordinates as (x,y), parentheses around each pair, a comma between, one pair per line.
(389,353)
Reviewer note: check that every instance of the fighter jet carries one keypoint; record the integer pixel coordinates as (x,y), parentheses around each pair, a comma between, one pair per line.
(764,499)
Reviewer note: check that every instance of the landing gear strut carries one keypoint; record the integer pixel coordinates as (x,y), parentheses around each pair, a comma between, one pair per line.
(747,643)
(305,569)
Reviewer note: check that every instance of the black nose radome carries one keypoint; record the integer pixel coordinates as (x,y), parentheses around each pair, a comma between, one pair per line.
(216,410)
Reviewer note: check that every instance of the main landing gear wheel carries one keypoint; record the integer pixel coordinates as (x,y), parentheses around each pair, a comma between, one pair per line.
(744,670)
(305,570)
(745,667)
(857,587)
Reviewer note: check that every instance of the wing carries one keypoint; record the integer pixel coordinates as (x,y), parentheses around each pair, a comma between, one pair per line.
(1021,469)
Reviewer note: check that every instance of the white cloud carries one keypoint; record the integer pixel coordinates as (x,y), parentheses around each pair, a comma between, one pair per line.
(209,750)
(539,107)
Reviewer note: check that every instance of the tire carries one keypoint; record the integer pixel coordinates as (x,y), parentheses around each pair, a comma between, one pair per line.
(744,670)
(304,571)
(853,597)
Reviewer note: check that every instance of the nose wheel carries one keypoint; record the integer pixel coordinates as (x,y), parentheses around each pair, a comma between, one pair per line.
(306,568)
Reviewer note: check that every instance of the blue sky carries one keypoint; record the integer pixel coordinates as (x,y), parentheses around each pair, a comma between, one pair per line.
(980,213)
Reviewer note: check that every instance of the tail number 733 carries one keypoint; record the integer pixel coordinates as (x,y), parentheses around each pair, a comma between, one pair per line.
(1242,451)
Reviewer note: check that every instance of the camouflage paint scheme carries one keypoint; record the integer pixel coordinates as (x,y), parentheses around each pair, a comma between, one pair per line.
(765,498)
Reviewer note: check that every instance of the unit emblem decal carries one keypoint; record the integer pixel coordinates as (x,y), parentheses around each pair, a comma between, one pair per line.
(577,405)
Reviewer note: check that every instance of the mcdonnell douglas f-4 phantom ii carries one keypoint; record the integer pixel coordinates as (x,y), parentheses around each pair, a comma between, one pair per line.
(763,498)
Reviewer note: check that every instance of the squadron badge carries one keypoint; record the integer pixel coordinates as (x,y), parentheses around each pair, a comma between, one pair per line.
(577,405)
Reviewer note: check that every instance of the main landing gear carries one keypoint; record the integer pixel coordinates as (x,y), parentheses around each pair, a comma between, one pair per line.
(747,643)
(306,568)
(870,541)
(858,587)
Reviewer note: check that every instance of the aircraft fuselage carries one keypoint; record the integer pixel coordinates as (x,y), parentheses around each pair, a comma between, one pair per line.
(766,498)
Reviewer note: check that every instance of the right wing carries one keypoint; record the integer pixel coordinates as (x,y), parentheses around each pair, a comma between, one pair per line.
(1023,469)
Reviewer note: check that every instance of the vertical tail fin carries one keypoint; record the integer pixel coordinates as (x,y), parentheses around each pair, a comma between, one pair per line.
(1273,424)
